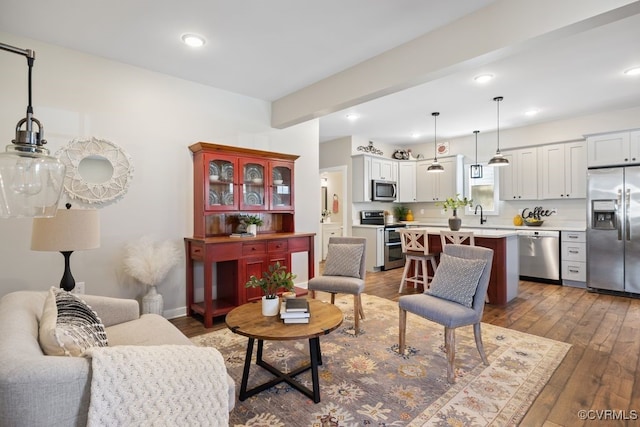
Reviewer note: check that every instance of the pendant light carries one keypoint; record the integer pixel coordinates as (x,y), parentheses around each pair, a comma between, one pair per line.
(30,179)
(435,166)
(476,169)
(498,159)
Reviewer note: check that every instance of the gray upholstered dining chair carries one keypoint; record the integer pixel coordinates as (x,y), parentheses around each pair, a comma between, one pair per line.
(344,273)
(455,299)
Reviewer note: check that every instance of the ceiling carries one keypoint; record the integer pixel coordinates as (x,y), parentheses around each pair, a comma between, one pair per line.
(269,49)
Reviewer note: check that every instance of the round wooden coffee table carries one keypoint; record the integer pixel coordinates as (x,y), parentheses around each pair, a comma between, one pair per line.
(248,320)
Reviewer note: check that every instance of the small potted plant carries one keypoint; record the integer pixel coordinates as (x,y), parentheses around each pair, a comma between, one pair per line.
(271,281)
(401,212)
(454,204)
(253,222)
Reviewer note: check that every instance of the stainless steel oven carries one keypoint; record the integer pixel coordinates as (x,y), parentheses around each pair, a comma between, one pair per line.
(393,256)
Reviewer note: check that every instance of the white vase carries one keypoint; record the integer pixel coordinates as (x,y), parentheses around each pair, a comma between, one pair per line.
(253,229)
(152,302)
(270,306)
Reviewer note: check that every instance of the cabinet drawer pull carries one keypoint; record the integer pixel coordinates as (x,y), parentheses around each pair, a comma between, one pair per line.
(574,252)
(574,271)
(196,251)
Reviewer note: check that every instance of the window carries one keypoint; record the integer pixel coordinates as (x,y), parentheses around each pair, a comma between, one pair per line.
(483,191)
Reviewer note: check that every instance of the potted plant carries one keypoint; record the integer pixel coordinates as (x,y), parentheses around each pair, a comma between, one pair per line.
(454,204)
(401,212)
(253,222)
(271,281)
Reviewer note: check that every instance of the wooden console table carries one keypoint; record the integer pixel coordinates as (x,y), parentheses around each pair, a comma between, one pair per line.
(228,262)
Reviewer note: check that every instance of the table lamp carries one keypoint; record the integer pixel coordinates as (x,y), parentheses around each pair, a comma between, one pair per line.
(70,230)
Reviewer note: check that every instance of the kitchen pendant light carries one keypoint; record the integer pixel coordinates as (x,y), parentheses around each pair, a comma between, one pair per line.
(498,159)
(435,166)
(30,179)
(476,169)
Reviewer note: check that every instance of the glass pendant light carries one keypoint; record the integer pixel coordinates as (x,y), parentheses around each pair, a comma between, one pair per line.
(435,166)
(30,179)
(498,159)
(476,169)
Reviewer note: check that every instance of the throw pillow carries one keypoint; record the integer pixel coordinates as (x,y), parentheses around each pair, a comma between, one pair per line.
(343,259)
(456,279)
(68,325)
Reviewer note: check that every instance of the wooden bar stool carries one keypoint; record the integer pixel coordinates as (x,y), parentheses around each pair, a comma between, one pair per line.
(415,246)
(457,238)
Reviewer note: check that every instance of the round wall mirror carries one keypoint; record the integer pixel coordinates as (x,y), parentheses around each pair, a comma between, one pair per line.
(98,171)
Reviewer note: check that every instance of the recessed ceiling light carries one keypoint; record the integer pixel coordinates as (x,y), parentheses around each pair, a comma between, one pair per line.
(483,78)
(532,112)
(415,135)
(352,116)
(635,71)
(193,40)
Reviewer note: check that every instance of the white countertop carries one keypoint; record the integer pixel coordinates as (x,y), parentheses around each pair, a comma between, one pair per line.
(484,230)
(554,227)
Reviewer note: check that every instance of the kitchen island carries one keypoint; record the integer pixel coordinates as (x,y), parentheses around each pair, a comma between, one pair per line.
(503,283)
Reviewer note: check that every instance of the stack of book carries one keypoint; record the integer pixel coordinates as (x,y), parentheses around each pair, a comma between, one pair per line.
(295,310)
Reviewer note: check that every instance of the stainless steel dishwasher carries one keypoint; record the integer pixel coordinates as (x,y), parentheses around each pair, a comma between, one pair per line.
(539,255)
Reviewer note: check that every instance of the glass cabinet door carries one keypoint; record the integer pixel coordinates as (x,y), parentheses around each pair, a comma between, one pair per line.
(222,179)
(253,184)
(281,187)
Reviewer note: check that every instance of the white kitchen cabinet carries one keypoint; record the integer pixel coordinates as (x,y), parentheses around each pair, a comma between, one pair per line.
(329,231)
(366,168)
(564,171)
(406,181)
(574,258)
(437,187)
(374,257)
(384,169)
(612,149)
(519,180)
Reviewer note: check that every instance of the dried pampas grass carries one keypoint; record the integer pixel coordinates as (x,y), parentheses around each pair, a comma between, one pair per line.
(148,261)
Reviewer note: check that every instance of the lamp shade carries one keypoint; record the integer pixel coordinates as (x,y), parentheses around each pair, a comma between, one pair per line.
(69,230)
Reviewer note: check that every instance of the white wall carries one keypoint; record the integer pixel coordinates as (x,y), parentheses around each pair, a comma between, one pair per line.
(154,118)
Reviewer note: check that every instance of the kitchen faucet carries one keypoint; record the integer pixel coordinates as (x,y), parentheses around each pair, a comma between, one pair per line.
(483,219)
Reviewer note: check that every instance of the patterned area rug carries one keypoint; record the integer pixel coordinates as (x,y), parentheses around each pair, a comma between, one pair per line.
(364,381)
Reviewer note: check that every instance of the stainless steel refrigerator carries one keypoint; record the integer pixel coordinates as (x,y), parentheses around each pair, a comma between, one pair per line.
(613,229)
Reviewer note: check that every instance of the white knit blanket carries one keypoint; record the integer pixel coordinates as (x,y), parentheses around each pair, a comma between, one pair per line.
(168,385)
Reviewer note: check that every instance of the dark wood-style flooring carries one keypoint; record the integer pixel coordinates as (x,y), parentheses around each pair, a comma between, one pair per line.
(600,370)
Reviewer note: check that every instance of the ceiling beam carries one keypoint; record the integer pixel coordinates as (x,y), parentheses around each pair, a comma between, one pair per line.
(501,29)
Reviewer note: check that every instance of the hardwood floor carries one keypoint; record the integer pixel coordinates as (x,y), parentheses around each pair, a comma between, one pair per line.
(600,370)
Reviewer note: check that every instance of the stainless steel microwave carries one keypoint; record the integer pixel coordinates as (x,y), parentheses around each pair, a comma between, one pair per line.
(383,191)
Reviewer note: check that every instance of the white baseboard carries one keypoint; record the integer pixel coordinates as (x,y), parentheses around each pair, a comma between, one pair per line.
(182,311)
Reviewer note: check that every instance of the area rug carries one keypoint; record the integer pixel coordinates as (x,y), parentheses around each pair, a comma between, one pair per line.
(365,381)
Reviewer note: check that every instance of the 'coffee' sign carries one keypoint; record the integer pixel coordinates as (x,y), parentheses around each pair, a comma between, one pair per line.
(537,212)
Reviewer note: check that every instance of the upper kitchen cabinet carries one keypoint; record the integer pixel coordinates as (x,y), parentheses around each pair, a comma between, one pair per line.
(406,181)
(612,149)
(564,171)
(437,187)
(367,168)
(519,180)
(384,169)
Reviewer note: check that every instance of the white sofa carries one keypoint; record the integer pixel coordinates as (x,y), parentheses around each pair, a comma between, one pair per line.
(41,390)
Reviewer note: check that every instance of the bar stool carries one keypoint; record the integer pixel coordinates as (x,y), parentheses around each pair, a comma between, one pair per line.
(456,238)
(415,247)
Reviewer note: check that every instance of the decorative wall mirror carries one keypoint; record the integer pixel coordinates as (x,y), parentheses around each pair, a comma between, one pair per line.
(98,171)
